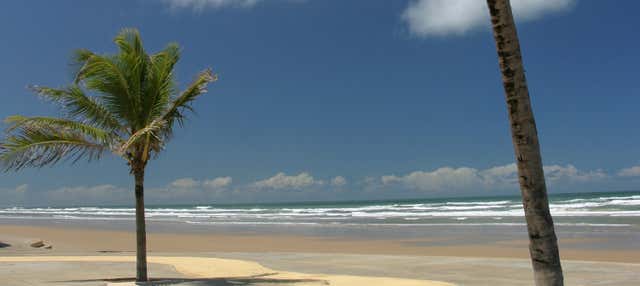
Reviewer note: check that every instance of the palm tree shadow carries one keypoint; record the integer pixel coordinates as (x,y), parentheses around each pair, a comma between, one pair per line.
(226,281)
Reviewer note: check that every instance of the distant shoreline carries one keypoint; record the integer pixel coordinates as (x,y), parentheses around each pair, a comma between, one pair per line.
(552,195)
(162,238)
(575,212)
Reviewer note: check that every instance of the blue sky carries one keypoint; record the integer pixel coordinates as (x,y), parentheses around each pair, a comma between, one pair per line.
(329,100)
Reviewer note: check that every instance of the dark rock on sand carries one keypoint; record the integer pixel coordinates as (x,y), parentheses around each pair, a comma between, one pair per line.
(40,244)
(37,243)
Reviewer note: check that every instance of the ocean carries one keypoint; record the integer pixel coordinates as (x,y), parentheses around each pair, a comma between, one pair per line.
(610,209)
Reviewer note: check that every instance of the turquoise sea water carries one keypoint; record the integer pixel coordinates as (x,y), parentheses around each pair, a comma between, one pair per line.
(610,209)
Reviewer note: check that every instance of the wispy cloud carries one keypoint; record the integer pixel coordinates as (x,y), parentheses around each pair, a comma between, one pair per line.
(443,181)
(185,183)
(630,172)
(189,190)
(338,181)
(189,183)
(14,196)
(199,5)
(183,190)
(571,174)
(88,195)
(283,181)
(217,183)
(456,17)
(466,179)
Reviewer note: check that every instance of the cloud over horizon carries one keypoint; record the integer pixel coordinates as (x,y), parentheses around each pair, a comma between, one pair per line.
(185,183)
(217,183)
(89,195)
(426,18)
(283,181)
(630,172)
(440,181)
(14,196)
(466,179)
(199,5)
(338,181)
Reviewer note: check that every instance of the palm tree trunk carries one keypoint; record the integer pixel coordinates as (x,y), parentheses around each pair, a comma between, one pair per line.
(141,233)
(543,246)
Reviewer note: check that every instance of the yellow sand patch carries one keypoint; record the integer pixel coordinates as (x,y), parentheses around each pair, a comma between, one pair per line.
(203,267)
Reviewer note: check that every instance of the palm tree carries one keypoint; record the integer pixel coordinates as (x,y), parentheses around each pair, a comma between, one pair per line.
(126,104)
(543,245)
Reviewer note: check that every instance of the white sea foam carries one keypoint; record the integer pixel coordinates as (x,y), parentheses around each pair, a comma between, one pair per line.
(479,203)
(386,213)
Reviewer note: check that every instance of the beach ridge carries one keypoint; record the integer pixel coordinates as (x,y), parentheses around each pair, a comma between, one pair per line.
(205,267)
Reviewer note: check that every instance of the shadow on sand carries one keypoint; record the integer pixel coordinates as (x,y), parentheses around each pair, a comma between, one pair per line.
(3,245)
(233,281)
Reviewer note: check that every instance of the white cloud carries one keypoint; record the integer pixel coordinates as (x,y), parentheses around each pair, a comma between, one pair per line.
(190,183)
(185,183)
(218,183)
(446,17)
(189,190)
(338,181)
(89,195)
(22,188)
(571,173)
(441,179)
(630,172)
(471,179)
(199,5)
(13,196)
(500,175)
(283,181)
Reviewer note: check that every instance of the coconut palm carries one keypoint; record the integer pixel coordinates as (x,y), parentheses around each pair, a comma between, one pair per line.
(126,104)
(543,245)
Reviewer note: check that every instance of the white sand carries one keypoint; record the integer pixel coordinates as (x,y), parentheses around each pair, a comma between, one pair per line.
(201,267)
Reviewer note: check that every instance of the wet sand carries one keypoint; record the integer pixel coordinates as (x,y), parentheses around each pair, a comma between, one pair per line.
(499,263)
(77,240)
(216,271)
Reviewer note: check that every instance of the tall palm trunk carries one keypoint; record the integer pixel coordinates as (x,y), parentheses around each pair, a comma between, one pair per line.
(543,246)
(141,233)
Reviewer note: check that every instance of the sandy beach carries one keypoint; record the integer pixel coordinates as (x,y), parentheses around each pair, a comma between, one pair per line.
(310,142)
(89,240)
(289,259)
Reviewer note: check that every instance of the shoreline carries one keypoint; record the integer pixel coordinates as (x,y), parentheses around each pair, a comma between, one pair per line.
(69,240)
(360,261)
(229,270)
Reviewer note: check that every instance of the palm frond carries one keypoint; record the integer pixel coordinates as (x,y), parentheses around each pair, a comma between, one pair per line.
(79,106)
(135,64)
(145,138)
(129,41)
(107,75)
(160,83)
(38,146)
(183,101)
(97,134)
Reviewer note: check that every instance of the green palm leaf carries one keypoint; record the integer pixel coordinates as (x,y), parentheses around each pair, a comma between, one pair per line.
(105,75)
(91,132)
(77,105)
(183,101)
(37,146)
(144,138)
